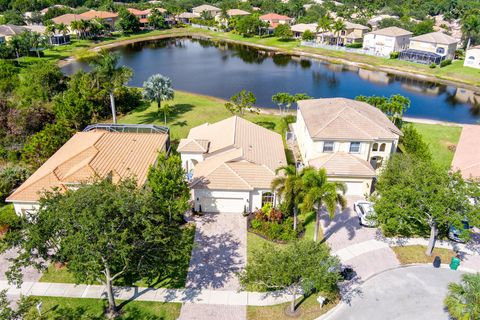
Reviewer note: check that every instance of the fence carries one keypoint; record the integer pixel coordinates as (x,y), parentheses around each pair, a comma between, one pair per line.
(339,48)
(207,27)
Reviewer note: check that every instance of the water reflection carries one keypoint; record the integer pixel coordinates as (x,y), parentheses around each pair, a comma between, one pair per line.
(222,69)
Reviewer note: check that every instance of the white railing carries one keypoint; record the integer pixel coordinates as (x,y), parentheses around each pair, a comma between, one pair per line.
(216,29)
(314,44)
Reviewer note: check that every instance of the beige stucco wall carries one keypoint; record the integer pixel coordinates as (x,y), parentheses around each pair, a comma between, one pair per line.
(472,58)
(384,45)
(432,47)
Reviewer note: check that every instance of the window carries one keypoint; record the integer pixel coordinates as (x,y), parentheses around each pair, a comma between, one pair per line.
(471,58)
(375,147)
(328,146)
(382,147)
(440,50)
(267,197)
(354,147)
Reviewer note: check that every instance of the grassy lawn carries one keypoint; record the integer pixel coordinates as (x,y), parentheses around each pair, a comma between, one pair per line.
(416,254)
(309,309)
(79,308)
(191,110)
(442,140)
(176,279)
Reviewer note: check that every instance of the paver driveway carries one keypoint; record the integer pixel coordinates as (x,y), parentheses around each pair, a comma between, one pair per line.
(409,293)
(220,251)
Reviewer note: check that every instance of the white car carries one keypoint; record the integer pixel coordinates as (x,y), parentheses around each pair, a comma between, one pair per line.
(364,210)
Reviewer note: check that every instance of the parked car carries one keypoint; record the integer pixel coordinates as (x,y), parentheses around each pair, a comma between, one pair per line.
(365,212)
(455,234)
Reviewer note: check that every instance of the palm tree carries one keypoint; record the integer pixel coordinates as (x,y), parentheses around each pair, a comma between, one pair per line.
(50,32)
(288,187)
(166,109)
(63,29)
(109,76)
(75,26)
(463,299)
(158,88)
(338,27)
(324,24)
(319,192)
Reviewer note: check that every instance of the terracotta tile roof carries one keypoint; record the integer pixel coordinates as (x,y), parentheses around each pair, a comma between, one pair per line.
(237,12)
(345,119)
(94,14)
(138,12)
(467,153)
(435,37)
(193,145)
(94,153)
(391,32)
(274,16)
(233,141)
(343,164)
(67,18)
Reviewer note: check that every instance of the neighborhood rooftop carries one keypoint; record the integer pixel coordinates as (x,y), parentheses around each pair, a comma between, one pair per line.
(93,153)
(343,164)
(467,153)
(11,30)
(340,118)
(391,32)
(435,37)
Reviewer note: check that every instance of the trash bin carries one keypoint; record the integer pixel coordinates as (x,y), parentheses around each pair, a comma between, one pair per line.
(454,263)
(437,262)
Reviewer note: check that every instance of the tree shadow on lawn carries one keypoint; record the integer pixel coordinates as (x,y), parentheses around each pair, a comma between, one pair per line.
(179,109)
(267,124)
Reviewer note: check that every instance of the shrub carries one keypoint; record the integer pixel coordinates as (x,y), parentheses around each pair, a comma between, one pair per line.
(8,217)
(445,63)
(308,35)
(394,55)
(354,45)
(128,99)
(10,178)
(414,144)
(432,65)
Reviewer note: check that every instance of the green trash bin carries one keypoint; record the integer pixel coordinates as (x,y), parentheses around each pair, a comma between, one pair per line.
(454,263)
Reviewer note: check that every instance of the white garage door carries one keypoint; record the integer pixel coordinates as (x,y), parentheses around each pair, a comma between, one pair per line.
(354,188)
(223,204)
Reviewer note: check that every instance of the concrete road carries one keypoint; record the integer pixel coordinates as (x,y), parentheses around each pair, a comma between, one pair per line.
(409,293)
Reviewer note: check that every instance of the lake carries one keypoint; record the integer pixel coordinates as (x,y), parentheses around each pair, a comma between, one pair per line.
(222,69)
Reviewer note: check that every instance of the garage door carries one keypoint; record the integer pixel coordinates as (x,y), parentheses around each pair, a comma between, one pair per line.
(354,188)
(223,204)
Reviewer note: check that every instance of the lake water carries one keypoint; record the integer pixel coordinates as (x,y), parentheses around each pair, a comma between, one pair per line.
(221,70)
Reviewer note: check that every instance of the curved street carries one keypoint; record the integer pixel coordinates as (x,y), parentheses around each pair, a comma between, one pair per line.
(404,293)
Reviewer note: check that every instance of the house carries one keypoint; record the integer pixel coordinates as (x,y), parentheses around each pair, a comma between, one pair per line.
(143,15)
(105,16)
(472,57)
(274,19)
(375,20)
(186,17)
(350,139)
(56,39)
(353,33)
(106,151)
(430,48)
(231,13)
(231,164)
(206,9)
(385,41)
(7,31)
(300,28)
(56,6)
(467,153)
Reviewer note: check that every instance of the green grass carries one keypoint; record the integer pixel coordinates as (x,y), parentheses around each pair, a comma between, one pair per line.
(416,254)
(442,140)
(79,308)
(176,279)
(191,110)
(309,309)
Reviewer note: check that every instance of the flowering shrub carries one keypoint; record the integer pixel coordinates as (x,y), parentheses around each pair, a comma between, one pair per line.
(272,224)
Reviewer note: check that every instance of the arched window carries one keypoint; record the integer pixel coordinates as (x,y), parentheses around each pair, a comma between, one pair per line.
(382,147)
(471,58)
(440,50)
(267,197)
(375,147)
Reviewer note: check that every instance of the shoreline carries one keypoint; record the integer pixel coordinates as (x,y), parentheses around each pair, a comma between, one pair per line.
(206,35)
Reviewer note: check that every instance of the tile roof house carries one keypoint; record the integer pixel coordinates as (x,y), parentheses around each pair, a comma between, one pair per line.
(7,31)
(274,19)
(206,9)
(467,153)
(472,57)
(430,48)
(351,139)
(108,17)
(231,164)
(387,40)
(94,153)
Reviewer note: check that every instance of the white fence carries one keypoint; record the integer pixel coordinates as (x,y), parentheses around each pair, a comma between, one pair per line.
(207,27)
(314,44)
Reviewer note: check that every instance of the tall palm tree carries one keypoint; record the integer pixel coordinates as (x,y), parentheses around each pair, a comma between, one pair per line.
(75,26)
(288,188)
(320,192)
(338,27)
(463,299)
(50,32)
(63,29)
(324,24)
(158,88)
(109,76)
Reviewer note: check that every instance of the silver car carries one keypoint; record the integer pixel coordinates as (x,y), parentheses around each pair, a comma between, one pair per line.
(365,212)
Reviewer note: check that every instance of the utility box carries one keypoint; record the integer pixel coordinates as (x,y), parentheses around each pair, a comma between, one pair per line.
(454,263)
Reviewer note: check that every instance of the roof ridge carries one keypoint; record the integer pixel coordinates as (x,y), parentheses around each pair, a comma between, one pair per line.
(370,120)
(334,118)
(235,173)
(364,163)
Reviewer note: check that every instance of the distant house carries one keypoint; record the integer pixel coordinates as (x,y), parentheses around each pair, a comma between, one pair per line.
(143,15)
(186,17)
(472,57)
(352,140)
(7,31)
(207,9)
(231,164)
(375,21)
(230,14)
(57,6)
(385,41)
(274,19)
(353,33)
(105,16)
(467,153)
(104,151)
(430,48)
(300,28)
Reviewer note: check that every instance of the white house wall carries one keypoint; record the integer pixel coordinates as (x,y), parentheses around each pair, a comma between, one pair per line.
(187,158)
(251,199)
(25,207)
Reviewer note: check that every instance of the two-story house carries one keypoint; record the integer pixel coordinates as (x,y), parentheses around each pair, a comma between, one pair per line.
(430,48)
(472,57)
(350,139)
(206,9)
(274,19)
(387,40)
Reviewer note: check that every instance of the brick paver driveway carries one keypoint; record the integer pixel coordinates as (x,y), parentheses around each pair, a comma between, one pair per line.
(220,251)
